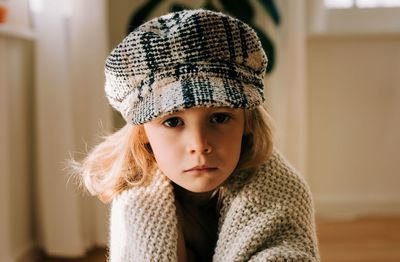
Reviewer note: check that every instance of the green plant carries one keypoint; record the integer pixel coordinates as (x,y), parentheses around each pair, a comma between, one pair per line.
(241,9)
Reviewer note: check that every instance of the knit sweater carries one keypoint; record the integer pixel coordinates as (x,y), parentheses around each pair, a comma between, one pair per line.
(266,215)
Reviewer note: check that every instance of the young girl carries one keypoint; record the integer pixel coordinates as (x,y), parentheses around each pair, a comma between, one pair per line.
(193,175)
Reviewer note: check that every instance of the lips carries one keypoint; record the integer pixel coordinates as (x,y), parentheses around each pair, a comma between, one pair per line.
(201,168)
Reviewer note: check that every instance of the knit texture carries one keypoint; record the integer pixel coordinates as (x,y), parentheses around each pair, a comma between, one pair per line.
(267,215)
(144,223)
(182,60)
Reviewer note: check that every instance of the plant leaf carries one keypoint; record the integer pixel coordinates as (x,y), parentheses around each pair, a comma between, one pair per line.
(268,48)
(209,6)
(240,9)
(272,10)
(139,17)
(178,7)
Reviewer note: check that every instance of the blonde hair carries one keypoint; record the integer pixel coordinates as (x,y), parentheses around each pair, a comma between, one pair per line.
(124,159)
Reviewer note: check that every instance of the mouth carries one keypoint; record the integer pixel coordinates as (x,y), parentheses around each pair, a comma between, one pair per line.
(201,169)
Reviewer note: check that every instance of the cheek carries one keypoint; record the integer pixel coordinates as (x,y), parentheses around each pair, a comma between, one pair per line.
(232,136)
(158,146)
(229,143)
(163,149)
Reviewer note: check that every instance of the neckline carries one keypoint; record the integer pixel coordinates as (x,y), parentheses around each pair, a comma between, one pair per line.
(198,199)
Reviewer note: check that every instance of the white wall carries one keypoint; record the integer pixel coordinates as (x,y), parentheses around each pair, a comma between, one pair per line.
(354,124)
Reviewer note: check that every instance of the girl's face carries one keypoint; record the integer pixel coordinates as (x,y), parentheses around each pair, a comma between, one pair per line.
(197,148)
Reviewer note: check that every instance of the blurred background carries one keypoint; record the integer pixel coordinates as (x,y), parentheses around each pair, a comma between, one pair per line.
(333,88)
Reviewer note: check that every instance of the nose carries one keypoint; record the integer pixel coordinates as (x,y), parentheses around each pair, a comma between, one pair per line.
(198,142)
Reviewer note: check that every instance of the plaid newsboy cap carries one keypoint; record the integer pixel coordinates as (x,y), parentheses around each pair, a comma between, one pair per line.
(185,59)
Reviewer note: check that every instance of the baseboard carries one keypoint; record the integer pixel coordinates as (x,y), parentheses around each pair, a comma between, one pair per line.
(354,206)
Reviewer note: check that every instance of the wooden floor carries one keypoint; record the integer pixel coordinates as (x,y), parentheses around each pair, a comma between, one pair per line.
(368,239)
(361,240)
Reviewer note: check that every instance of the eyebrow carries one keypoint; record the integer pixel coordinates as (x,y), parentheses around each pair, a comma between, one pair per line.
(210,109)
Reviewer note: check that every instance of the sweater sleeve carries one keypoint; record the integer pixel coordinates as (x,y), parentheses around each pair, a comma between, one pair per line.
(141,228)
(268,216)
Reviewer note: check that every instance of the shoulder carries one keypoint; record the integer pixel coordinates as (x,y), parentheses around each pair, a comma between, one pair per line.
(275,181)
(267,215)
(137,211)
(282,179)
(157,189)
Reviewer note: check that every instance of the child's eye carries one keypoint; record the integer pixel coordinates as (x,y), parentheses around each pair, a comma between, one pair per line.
(220,118)
(173,122)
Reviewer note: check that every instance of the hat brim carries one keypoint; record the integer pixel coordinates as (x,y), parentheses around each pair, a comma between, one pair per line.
(192,92)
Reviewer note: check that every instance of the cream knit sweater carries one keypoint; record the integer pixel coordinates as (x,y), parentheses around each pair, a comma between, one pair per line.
(266,215)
